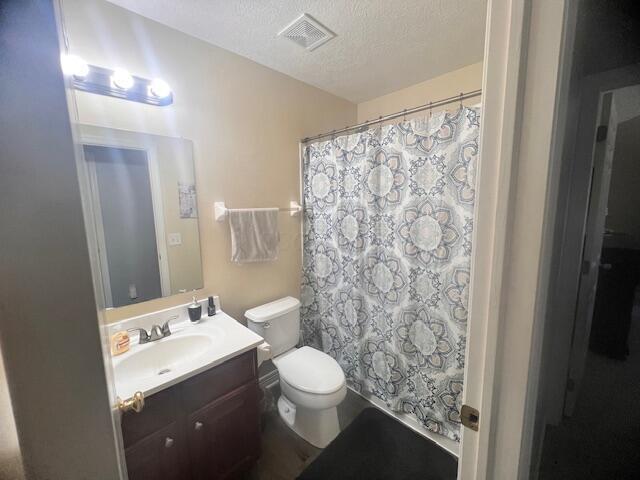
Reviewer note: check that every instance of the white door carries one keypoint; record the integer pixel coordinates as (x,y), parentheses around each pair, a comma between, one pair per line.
(51,343)
(604,145)
(524,70)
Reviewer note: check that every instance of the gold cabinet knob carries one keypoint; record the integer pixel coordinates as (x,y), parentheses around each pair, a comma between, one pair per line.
(135,403)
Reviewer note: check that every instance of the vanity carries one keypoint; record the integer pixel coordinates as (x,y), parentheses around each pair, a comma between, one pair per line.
(201,417)
(188,391)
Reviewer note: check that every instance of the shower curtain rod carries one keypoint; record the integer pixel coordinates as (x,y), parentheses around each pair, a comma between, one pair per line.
(407,111)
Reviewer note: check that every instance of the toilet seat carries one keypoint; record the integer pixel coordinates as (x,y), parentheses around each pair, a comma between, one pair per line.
(309,370)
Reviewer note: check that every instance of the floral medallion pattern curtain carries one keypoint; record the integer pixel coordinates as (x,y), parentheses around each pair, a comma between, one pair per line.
(388,217)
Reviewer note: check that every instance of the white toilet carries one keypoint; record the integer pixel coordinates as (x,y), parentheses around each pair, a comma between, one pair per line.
(312,383)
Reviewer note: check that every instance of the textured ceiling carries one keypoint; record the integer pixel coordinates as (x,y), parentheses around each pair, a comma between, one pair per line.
(381,45)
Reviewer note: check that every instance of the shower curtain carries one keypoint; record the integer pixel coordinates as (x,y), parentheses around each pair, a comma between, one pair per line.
(388,218)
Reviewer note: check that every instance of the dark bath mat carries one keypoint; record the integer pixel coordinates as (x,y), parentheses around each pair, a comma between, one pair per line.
(377,447)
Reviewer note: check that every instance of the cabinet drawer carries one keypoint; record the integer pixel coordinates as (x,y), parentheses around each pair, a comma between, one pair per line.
(212,384)
(160,410)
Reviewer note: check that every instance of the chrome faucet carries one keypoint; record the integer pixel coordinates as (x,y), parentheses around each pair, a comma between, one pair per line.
(143,335)
(157,332)
(166,331)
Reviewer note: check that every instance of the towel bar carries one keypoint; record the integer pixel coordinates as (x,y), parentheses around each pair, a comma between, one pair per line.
(220,210)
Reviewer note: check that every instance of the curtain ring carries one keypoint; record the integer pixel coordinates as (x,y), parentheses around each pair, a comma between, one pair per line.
(404,117)
(430,109)
(460,99)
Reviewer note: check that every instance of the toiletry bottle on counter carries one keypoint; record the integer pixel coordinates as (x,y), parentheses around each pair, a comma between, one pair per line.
(195,310)
(119,343)
(211,310)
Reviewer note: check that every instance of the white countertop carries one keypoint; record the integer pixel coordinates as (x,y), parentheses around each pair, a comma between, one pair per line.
(190,349)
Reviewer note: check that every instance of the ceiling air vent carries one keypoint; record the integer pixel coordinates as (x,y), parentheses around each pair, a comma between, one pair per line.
(307,32)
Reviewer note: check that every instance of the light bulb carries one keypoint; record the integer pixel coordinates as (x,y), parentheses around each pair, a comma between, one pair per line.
(74,65)
(159,88)
(122,79)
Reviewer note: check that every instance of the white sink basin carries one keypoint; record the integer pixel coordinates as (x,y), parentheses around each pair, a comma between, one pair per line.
(189,350)
(162,357)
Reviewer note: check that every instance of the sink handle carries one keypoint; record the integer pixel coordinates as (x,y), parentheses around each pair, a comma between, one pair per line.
(166,331)
(133,404)
(143,335)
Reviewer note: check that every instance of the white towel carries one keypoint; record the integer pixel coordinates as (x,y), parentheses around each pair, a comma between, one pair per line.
(254,235)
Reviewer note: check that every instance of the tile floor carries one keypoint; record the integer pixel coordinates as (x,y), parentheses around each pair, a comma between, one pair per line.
(284,454)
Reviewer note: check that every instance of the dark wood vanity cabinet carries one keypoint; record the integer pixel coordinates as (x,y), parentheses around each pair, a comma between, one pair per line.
(227,426)
(205,428)
(160,455)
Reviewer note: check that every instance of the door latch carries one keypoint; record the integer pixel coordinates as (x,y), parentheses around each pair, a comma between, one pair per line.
(470,417)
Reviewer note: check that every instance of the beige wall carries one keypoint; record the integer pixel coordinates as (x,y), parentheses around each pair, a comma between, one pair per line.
(447,85)
(244,119)
(175,162)
(624,195)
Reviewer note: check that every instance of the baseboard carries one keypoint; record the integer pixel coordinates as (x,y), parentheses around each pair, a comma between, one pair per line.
(269,379)
(443,442)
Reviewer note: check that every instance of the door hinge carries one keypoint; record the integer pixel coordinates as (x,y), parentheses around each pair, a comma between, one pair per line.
(601,133)
(470,417)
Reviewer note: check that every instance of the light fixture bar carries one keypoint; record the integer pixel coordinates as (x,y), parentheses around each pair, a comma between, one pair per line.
(99,80)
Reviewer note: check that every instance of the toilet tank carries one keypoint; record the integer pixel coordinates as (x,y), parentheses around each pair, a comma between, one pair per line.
(278,322)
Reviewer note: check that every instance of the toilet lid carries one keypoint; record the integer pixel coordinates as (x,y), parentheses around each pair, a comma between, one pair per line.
(310,370)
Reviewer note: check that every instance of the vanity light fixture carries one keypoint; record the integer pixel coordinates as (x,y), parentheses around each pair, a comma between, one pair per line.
(118,83)
(122,79)
(159,88)
(74,66)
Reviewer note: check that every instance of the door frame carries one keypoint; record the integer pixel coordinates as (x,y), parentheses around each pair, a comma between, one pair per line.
(572,228)
(113,138)
(601,162)
(96,208)
(53,346)
(525,77)
(519,109)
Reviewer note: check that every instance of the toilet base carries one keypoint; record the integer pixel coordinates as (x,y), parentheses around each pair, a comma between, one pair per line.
(318,427)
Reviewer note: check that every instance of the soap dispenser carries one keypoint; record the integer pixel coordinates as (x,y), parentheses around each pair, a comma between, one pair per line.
(195,310)
(211,310)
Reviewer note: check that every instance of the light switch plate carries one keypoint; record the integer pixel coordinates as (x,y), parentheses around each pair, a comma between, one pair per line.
(175,239)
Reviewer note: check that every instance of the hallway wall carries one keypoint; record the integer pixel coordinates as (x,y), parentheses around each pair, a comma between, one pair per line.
(623,214)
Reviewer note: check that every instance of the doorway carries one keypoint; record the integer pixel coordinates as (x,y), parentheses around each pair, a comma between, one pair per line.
(122,200)
(598,434)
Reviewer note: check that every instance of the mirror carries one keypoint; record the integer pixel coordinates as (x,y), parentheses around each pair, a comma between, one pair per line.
(142,193)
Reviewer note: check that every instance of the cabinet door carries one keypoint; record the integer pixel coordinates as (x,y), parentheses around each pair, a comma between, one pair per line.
(224,437)
(160,456)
